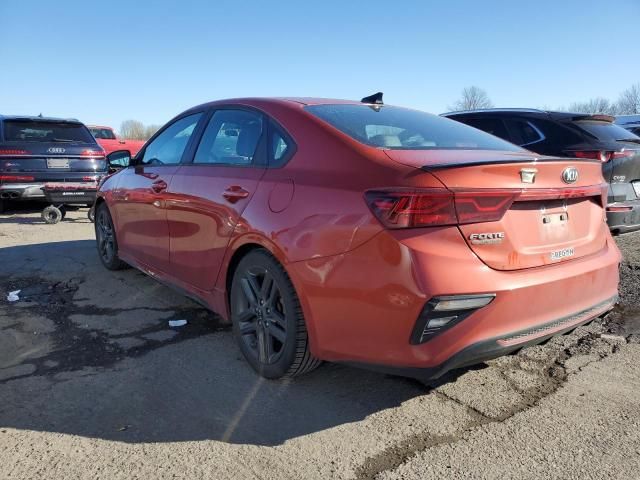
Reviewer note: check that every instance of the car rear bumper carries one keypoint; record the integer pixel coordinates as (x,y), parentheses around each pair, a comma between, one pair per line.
(362,306)
(497,347)
(624,217)
(21,191)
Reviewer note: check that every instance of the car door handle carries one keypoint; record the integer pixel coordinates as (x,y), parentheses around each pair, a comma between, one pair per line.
(235,193)
(159,186)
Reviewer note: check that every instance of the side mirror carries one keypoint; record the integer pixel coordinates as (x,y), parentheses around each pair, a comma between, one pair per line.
(119,159)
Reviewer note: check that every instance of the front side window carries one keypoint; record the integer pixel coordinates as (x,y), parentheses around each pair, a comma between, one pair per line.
(404,129)
(168,147)
(523,132)
(231,138)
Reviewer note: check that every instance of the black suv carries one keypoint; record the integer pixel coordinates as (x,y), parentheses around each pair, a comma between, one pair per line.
(36,150)
(574,135)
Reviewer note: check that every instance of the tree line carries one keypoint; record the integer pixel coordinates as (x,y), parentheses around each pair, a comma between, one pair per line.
(136,130)
(628,103)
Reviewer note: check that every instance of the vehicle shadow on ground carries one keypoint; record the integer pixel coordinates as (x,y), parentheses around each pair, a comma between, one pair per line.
(88,352)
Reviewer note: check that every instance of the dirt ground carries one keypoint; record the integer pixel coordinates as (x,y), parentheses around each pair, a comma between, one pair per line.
(95,384)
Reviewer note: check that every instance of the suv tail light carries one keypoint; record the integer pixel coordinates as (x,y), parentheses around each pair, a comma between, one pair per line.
(93,153)
(13,151)
(603,156)
(401,208)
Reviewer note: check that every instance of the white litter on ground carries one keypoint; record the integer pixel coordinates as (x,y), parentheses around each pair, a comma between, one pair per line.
(13,296)
(177,323)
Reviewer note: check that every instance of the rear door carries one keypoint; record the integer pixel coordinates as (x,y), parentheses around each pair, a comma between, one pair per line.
(143,191)
(213,191)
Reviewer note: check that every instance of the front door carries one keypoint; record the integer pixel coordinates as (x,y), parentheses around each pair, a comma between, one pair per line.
(142,194)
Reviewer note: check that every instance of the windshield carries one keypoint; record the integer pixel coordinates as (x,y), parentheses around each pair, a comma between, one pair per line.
(45,131)
(607,131)
(404,129)
(103,133)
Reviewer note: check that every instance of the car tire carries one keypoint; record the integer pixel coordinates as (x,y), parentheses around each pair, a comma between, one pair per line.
(106,241)
(3,205)
(52,214)
(91,214)
(268,322)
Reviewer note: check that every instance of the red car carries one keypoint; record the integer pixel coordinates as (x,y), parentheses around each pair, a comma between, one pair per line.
(362,233)
(107,139)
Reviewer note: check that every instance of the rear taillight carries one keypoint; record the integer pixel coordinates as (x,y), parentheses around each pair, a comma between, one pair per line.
(16,178)
(400,208)
(624,154)
(93,153)
(600,155)
(13,151)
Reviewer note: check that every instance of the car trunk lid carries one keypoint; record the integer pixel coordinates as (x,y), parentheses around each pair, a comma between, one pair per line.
(550,220)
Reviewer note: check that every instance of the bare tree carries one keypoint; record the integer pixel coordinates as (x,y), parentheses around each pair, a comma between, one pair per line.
(595,105)
(629,101)
(472,98)
(149,130)
(132,130)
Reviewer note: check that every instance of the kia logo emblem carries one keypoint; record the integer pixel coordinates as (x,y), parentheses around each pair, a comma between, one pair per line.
(570,175)
(56,150)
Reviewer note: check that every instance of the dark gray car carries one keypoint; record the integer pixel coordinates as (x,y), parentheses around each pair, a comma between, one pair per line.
(575,135)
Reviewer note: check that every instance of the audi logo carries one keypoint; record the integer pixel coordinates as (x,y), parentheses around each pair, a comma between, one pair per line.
(56,150)
(570,175)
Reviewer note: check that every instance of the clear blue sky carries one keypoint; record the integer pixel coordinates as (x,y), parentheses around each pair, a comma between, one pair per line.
(104,62)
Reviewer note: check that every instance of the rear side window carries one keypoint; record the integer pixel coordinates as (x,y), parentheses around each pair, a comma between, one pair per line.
(231,138)
(404,129)
(523,132)
(169,146)
(45,131)
(605,131)
(494,126)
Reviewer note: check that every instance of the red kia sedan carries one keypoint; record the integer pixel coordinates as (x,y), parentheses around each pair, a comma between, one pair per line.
(361,233)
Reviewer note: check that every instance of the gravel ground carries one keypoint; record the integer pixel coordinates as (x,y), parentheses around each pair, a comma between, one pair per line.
(94,384)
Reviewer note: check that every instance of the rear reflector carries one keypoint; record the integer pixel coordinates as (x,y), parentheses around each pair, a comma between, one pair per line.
(16,178)
(441,313)
(411,208)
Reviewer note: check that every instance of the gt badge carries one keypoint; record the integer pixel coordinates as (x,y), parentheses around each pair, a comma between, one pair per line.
(493,238)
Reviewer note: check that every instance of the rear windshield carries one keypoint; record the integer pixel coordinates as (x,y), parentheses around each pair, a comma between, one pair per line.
(103,133)
(404,129)
(41,131)
(606,131)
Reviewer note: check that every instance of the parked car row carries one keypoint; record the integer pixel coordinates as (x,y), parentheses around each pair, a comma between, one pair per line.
(370,234)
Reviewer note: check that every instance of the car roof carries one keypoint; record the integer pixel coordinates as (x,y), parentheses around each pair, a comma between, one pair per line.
(281,101)
(38,118)
(531,112)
